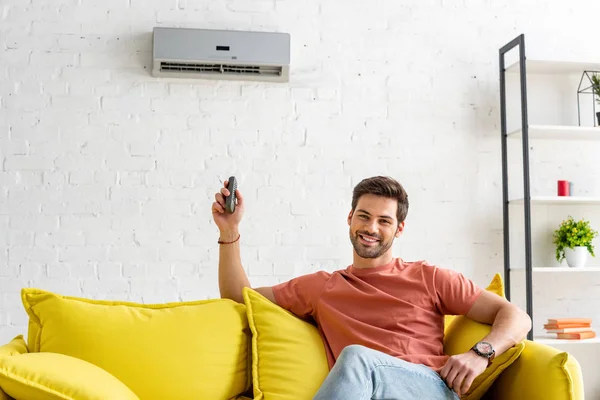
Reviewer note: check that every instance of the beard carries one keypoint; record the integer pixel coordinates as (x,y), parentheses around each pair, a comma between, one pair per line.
(374,251)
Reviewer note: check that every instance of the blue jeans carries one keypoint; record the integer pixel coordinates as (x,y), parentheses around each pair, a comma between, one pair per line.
(361,373)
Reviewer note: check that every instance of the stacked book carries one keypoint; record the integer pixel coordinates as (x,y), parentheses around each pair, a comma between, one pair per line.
(571,328)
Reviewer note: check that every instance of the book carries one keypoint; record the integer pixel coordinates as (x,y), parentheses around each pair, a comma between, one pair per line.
(569,330)
(560,326)
(581,335)
(570,321)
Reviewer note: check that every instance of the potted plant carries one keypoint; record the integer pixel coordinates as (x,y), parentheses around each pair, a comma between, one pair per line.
(596,90)
(573,241)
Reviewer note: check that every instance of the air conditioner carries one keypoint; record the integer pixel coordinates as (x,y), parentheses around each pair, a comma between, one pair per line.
(221,54)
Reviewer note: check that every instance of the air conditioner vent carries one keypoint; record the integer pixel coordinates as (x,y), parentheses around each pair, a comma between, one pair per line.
(204,68)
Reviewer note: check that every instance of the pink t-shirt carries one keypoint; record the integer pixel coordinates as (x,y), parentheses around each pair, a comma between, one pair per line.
(397,308)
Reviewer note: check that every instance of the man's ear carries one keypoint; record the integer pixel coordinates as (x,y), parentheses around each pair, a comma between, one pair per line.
(350,217)
(400,229)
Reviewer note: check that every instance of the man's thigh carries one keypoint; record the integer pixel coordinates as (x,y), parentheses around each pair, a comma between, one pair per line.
(396,379)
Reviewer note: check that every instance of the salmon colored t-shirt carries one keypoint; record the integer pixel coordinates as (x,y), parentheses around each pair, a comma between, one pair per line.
(397,308)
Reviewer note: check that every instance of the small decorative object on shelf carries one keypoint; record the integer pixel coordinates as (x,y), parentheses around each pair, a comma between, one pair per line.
(563,188)
(573,241)
(589,84)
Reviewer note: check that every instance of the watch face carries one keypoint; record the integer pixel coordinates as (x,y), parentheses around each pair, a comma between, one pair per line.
(484,347)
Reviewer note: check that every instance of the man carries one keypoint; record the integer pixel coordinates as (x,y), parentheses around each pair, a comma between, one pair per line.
(382,318)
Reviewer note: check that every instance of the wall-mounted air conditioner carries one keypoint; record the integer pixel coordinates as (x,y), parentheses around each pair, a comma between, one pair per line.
(221,54)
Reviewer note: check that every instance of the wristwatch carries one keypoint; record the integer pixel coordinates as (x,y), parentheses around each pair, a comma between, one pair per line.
(484,349)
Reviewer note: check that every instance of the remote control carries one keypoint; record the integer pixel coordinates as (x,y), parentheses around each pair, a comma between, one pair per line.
(230,200)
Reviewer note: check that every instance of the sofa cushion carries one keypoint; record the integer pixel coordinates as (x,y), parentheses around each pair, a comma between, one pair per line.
(462,333)
(180,350)
(288,356)
(51,376)
(14,347)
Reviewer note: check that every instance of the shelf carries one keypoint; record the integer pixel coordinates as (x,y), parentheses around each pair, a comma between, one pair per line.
(559,269)
(567,73)
(551,340)
(559,200)
(554,67)
(558,132)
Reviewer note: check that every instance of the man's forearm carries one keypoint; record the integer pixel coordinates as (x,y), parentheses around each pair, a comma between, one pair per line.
(509,328)
(232,277)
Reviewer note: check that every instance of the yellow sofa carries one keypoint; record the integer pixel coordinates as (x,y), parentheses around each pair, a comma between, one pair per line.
(219,350)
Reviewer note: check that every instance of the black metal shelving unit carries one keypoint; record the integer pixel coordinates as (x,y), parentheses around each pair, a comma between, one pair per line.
(520,43)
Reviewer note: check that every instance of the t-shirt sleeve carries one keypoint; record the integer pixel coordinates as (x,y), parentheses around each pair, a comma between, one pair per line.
(300,295)
(455,293)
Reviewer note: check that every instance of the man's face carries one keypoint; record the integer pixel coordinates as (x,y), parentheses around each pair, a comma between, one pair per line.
(373,225)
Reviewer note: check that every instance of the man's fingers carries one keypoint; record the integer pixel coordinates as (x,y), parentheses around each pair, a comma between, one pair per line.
(225,192)
(458,381)
(451,377)
(467,382)
(444,371)
(239,197)
(217,208)
(220,199)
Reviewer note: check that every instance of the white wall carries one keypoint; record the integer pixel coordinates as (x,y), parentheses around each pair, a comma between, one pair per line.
(107,174)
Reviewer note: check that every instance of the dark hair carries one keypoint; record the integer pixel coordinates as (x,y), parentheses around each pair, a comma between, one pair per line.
(386,187)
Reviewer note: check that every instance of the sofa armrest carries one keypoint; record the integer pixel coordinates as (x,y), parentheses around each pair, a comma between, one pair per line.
(541,373)
(14,347)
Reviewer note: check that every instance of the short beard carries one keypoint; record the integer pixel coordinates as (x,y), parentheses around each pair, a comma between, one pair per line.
(369,252)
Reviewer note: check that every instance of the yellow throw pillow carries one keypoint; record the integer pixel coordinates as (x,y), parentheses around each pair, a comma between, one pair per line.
(186,350)
(51,376)
(448,320)
(462,333)
(288,355)
(14,347)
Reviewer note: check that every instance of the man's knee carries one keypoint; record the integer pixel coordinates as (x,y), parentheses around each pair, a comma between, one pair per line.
(353,352)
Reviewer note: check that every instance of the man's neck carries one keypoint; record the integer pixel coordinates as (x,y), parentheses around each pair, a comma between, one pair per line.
(364,263)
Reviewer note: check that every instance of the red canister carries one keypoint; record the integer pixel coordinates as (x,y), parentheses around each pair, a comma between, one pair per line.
(563,188)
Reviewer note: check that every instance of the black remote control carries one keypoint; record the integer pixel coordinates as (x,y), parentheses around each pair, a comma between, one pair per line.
(230,200)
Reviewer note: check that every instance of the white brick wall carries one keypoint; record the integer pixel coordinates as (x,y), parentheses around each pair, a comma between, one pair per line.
(107,174)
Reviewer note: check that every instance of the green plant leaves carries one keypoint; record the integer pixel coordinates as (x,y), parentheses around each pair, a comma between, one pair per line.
(596,86)
(571,234)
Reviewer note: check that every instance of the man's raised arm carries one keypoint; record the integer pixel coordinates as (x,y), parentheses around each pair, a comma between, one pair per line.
(232,277)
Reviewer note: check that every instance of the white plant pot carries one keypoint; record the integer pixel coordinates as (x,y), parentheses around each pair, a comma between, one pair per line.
(576,257)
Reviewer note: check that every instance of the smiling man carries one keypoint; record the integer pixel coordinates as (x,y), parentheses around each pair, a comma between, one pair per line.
(381,318)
